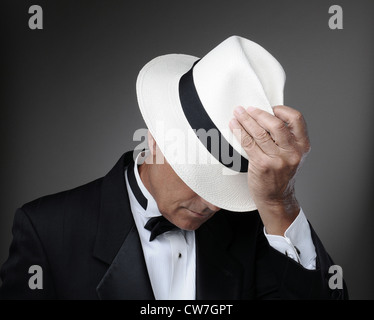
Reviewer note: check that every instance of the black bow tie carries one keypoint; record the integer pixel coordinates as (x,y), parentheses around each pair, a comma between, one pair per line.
(158,225)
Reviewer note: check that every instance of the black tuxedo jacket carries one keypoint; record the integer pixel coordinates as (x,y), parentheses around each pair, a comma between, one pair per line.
(88,247)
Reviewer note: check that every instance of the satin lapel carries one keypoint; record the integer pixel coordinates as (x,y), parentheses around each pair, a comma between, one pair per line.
(117,241)
(115,220)
(218,275)
(127,277)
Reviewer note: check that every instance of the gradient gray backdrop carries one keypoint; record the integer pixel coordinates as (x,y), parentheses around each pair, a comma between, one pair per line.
(69,109)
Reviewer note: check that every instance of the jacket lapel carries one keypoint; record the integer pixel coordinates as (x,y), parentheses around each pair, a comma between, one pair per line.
(127,277)
(218,274)
(117,241)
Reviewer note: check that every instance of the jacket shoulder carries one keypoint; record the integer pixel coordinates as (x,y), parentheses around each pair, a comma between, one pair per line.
(69,199)
(66,215)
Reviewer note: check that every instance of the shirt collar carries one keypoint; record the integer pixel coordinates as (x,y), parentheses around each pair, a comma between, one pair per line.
(146,204)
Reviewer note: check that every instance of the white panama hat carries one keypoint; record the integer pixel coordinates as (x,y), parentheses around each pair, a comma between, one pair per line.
(179,93)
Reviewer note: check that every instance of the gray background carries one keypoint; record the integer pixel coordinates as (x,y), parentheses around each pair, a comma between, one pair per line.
(69,110)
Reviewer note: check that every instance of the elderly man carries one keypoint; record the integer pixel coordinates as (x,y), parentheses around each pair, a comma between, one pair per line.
(208,218)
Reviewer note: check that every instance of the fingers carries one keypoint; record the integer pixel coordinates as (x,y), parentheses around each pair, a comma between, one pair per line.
(277,128)
(296,124)
(258,134)
(245,139)
(274,135)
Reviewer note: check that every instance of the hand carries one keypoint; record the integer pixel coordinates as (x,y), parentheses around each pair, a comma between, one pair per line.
(276,146)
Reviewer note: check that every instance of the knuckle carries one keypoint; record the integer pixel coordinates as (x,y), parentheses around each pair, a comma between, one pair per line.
(290,139)
(294,159)
(247,141)
(263,167)
(298,116)
(280,164)
(280,126)
(262,136)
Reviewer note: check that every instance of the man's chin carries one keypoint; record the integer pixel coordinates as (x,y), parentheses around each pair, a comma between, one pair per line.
(191,226)
(193,220)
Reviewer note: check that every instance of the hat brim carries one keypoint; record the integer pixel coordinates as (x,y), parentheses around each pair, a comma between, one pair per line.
(158,98)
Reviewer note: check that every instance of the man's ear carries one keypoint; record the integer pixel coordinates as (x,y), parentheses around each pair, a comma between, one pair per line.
(151,144)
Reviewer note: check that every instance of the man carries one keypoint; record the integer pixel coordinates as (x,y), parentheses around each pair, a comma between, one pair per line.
(211,217)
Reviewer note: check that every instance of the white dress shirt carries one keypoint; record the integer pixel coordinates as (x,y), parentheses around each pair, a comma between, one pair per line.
(171,257)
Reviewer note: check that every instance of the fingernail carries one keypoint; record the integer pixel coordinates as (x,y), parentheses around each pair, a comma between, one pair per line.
(239,110)
(250,109)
